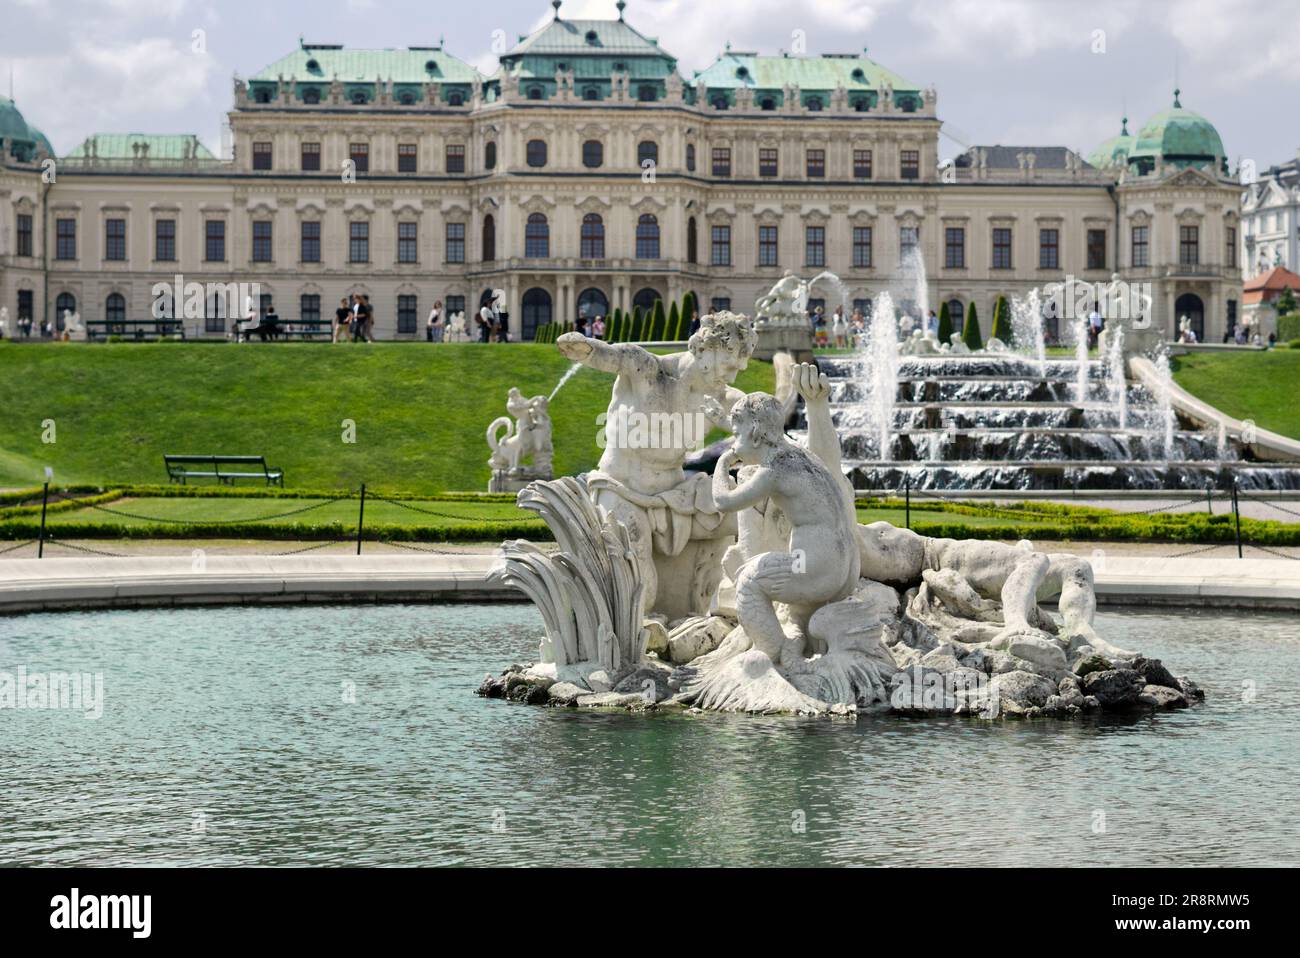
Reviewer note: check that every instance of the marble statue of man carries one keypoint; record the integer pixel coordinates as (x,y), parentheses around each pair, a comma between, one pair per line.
(783,302)
(655,417)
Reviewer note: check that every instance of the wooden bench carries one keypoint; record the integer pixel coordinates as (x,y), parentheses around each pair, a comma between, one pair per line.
(138,330)
(283,329)
(182,468)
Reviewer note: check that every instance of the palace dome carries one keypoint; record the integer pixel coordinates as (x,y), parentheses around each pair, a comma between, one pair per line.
(1179,137)
(1113,152)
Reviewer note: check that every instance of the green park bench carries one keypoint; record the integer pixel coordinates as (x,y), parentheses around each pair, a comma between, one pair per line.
(225,469)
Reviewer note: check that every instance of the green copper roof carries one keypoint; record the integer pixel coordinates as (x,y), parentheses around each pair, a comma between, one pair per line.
(41,139)
(412,65)
(162,146)
(1178,136)
(588,37)
(12,124)
(732,70)
(1113,152)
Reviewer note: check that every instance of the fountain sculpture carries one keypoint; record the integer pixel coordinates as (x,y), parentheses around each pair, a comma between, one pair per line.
(764,594)
(527,436)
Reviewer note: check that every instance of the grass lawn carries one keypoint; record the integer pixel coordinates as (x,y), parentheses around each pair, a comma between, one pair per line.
(420,410)
(1264,387)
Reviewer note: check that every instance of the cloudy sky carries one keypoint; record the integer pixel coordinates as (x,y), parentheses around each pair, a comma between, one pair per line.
(1015,72)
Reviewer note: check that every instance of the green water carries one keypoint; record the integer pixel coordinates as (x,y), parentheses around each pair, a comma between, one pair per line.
(225,740)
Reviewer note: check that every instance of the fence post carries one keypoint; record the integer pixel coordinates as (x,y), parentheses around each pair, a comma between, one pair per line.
(45,498)
(361,517)
(1209,498)
(907,491)
(1236,511)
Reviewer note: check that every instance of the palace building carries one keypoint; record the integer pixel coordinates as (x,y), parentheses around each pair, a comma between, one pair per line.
(587,173)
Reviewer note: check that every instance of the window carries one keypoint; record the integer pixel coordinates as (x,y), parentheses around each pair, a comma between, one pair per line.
(1001,248)
(954,247)
(721,242)
(1049,249)
(490,156)
(115,308)
(1096,249)
(646,93)
(406,98)
(909,164)
(455,98)
(536,153)
(593,237)
(358,242)
(768,246)
(407,158)
(65,239)
(261,156)
(214,314)
(24,234)
(164,240)
(1230,247)
(309,242)
(1141,246)
(720,304)
(455,304)
(720,102)
(722,161)
(64,304)
(862,164)
(534,93)
(309,307)
(455,158)
(1189,245)
(593,154)
(767,103)
(311,95)
(455,243)
(406,312)
(862,247)
(909,237)
(311,157)
(489,238)
(262,241)
(359,97)
(26,298)
(768,164)
(814,104)
(115,239)
(360,155)
(591,93)
(647,237)
(647,151)
(408,242)
(815,245)
(690,157)
(692,242)
(537,237)
(214,241)
(816,163)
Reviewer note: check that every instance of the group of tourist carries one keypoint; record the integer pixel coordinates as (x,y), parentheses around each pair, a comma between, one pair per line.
(838,332)
(356,317)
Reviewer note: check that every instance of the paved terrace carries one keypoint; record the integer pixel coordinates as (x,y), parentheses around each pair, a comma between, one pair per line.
(30,585)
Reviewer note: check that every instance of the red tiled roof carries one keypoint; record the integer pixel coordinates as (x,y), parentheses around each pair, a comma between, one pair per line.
(1266,287)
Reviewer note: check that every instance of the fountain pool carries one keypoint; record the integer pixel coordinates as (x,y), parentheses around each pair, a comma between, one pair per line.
(238,714)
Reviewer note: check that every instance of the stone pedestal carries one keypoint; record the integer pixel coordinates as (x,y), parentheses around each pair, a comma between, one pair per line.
(795,340)
(515,480)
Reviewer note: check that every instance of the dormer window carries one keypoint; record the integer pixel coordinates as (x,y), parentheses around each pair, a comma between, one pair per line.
(534,93)
(430,66)
(407,98)
(858,75)
(719,103)
(646,94)
(861,104)
(592,38)
(767,103)
(620,67)
(311,95)
(359,97)
(591,93)
(742,72)
(456,98)
(313,65)
(814,104)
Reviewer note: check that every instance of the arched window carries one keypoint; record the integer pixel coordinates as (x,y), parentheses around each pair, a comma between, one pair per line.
(456,99)
(311,95)
(537,311)
(692,242)
(647,237)
(536,152)
(534,93)
(592,303)
(593,237)
(489,238)
(647,150)
(537,237)
(591,93)
(359,96)
(66,303)
(646,93)
(690,157)
(407,98)
(1191,306)
(115,312)
(814,104)
(646,299)
(490,155)
(593,154)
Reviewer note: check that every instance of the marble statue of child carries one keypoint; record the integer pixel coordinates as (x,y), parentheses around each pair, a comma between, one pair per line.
(820,562)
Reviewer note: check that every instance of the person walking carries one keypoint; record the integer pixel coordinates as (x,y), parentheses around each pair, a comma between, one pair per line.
(341,317)
(433,328)
(598,328)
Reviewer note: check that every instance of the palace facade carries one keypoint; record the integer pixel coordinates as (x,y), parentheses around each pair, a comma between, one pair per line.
(587,174)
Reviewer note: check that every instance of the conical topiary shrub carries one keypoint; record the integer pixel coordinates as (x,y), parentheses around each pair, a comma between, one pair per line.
(689,308)
(945,324)
(638,325)
(674,330)
(658,322)
(970,333)
(1002,320)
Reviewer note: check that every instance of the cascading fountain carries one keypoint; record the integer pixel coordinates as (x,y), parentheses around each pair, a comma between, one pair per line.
(1165,420)
(1080,327)
(1027,326)
(1116,377)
